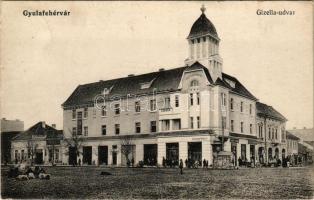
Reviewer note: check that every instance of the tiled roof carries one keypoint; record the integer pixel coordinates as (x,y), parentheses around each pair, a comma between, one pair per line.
(203,26)
(291,136)
(161,81)
(305,134)
(265,110)
(167,80)
(239,88)
(38,130)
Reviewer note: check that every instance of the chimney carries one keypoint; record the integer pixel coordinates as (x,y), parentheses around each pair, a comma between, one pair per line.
(43,124)
(161,69)
(53,126)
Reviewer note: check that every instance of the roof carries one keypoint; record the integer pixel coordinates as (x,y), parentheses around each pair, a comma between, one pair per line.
(167,80)
(38,130)
(265,110)
(291,136)
(161,81)
(239,88)
(203,26)
(306,134)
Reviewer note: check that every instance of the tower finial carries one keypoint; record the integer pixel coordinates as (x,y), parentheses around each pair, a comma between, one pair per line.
(203,8)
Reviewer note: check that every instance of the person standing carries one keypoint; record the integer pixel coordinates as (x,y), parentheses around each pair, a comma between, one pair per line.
(181,166)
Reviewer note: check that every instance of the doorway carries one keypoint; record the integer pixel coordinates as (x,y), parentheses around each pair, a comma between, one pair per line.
(87,155)
(172,153)
(103,155)
(39,156)
(72,156)
(150,154)
(252,153)
(195,151)
(234,153)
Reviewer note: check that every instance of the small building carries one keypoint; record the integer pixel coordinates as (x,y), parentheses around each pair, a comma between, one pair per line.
(292,148)
(40,144)
(305,134)
(9,129)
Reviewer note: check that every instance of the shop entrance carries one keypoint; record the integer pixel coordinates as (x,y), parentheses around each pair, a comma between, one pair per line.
(103,155)
(195,151)
(150,154)
(172,154)
(87,155)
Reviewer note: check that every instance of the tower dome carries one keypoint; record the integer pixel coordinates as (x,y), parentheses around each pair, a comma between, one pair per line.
(203,26)
(204,46)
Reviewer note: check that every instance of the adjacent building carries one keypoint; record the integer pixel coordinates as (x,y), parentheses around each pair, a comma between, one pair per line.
(40,144)
(9,129)
(190,112)
(305,143)
(292,144)
(271,133)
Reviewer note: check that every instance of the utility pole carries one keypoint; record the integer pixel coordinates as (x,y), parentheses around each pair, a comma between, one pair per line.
(223,134)
(266,160)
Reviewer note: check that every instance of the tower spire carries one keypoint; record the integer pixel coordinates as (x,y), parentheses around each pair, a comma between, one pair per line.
(203,9)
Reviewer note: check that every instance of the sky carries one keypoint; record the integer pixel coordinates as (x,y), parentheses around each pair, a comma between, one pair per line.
(43,59)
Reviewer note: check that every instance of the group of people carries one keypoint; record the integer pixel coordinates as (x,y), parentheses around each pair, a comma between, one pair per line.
(189,163)
(169,162)
(25,172)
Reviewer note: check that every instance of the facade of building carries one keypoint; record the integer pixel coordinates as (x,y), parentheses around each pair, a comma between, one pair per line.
(305,143)
(9,129)
(191,112)
(11,125)
(292,144)
(40,144)
(271,133)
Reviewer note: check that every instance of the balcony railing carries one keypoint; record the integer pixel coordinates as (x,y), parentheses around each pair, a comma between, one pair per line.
(165,109)
(274,141)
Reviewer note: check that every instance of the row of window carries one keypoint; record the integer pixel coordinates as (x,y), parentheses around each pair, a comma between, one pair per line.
(137,108)
(153,128)
(153,105)
(292,144)
(198,122)
(272,132)
(23,155)
(241,127)
(165,124)
(241,105)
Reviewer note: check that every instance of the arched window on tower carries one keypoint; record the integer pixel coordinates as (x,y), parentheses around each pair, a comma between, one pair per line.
(194,83)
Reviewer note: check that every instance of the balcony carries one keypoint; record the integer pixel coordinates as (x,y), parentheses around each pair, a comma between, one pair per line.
(274,141)
(166,109)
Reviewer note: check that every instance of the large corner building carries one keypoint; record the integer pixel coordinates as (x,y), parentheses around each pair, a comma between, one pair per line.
(189,112)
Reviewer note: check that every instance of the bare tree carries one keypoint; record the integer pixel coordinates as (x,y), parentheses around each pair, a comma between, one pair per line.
(127,147)
(74,141)
(31,150)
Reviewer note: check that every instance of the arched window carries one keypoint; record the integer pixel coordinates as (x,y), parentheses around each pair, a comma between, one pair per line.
(194,83)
